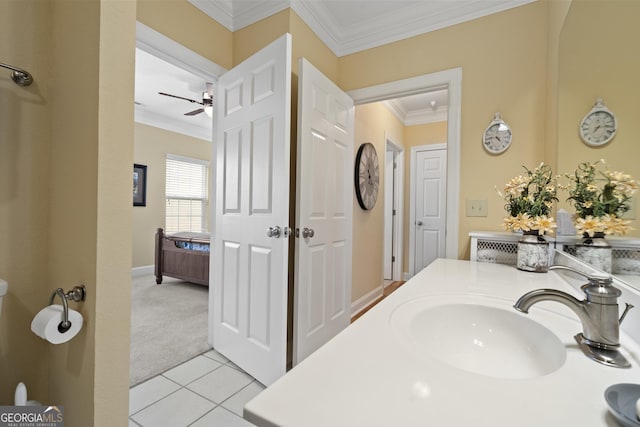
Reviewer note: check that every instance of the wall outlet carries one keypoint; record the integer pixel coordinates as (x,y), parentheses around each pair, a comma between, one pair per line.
(477,208)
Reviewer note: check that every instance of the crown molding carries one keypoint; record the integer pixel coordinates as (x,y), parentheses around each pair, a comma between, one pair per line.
(234,15)
(423,117)
(252,12)
(417,117)
(406,21)
(318,18)
(220,11)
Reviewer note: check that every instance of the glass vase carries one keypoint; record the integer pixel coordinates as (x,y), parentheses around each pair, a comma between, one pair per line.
(533,252)
(595,251)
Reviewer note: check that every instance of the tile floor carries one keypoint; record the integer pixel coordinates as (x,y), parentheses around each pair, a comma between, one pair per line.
(207,390)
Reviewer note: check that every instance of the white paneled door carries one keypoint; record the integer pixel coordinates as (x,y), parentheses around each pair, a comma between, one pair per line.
(430,205)
(248,285)
(322,304)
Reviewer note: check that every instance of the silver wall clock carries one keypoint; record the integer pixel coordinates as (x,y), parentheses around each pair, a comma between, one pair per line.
(497,136)
(367,176)
(599,125)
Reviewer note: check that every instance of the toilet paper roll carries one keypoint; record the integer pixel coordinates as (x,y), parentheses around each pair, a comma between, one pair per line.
(45,324)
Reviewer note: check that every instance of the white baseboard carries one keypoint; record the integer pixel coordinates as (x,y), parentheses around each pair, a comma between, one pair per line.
(365,301)
(142,271)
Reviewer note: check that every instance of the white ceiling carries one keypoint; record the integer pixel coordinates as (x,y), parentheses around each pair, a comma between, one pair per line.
(345,26)
(155,75)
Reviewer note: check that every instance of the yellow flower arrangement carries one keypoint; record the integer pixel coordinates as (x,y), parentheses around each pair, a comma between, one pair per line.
(529,200)
(600,197)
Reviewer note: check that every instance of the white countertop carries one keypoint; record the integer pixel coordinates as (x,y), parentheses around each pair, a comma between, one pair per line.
(366,377)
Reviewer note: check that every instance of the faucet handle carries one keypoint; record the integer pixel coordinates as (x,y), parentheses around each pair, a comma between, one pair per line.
(600,288)
(602,279)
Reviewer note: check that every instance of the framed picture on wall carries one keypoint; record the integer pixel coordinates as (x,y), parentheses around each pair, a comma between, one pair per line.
(139,185)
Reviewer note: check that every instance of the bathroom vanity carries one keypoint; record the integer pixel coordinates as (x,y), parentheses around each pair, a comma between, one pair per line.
(448,349)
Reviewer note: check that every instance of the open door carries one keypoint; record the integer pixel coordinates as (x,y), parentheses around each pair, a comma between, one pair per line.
(249,262)
(322,298)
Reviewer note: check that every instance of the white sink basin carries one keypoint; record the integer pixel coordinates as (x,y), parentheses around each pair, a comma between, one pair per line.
(481,336)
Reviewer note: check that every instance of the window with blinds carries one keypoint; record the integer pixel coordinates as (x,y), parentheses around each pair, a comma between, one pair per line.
(187,194)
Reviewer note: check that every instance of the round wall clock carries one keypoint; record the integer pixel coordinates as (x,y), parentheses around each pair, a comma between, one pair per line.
(497,136)
(367,176)
(599,126)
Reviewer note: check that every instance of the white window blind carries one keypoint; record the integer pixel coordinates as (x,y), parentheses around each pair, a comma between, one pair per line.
(187,194)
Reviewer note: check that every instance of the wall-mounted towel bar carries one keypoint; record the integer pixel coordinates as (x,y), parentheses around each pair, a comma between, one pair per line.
(18,75)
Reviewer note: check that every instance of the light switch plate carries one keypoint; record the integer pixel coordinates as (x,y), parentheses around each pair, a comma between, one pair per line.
(476,208)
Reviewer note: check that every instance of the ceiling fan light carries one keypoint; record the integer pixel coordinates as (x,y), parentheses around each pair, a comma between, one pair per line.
(208,110)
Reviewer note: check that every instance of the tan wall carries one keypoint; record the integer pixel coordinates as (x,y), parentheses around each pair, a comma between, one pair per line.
(74,165)
(427,134)
(67,144)
(373,122)
(613,76)
(151,147)
(91,156)
(307,44)
(503,60)
(184,23)
(251,39)
(25,144)
(61,155)
(113,244)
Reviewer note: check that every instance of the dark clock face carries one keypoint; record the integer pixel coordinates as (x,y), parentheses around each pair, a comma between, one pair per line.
(367,176)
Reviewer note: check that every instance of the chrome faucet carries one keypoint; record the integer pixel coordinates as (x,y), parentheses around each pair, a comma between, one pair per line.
(598,314)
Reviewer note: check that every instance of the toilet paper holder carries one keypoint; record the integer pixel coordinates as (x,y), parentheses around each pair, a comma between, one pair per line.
(77,294)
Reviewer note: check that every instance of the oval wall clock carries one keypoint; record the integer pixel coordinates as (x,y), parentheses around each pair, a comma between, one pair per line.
(599,125)
(367,176)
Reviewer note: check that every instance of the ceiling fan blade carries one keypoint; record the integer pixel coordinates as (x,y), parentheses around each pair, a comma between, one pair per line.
(194,112)
(180,97)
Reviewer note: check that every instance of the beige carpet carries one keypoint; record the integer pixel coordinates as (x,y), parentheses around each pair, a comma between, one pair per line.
(168,325)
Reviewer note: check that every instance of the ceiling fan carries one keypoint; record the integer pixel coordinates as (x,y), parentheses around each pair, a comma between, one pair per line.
(207,101)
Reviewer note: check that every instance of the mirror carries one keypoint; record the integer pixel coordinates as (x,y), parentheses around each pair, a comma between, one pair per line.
(598,59)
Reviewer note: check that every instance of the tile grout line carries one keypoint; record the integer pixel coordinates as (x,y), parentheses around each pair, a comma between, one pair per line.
(221,403)
(174,392)
(180,386)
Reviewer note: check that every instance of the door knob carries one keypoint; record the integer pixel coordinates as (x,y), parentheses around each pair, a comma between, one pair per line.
(419,222)
(274,232)
(308,232)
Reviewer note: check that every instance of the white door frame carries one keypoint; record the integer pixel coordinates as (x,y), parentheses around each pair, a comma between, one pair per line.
(161,46)
(448,79)
(398,218)
(412,200)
